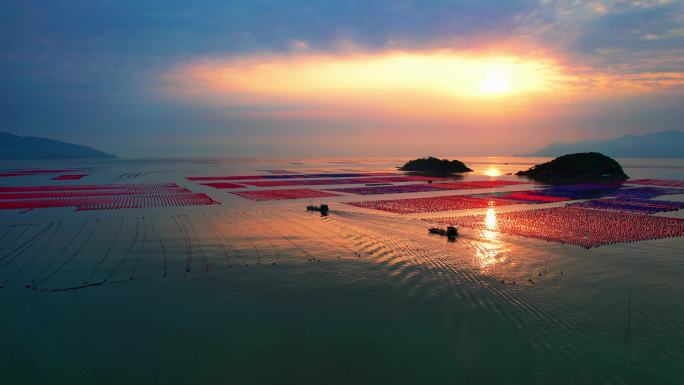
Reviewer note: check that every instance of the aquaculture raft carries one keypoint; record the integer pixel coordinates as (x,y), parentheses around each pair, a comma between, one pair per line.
(644,206)
(285,194)
(578,226)
(224,185)
(658,182)
(432,204)
(100,197)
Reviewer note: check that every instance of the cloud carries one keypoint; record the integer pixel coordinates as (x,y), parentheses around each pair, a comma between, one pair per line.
(90,67)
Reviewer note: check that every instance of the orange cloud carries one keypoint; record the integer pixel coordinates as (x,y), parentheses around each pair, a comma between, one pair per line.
(411,82)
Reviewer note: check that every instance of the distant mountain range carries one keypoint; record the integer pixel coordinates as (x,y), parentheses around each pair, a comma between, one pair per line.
(664,144)
(29,147)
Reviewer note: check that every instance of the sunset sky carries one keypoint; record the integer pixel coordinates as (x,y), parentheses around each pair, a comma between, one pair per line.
(339,78)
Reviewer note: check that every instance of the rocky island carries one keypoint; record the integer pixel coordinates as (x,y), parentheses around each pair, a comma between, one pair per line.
(590,166)
(435,166)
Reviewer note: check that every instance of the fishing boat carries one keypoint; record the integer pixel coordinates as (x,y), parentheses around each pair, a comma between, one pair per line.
(323,209)
(450,231)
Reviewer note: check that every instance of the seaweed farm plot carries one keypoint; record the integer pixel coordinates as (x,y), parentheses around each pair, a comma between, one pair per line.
(412,188)
(645,192)
(289,176)
(69,177)
(426,187)
(657,182)
(340,181)
(643,206)
(151,188)
(594,191)
(223,185)
(477,184)
(532,196)
(100,197)
(285,194)
(573,225)
(433,204)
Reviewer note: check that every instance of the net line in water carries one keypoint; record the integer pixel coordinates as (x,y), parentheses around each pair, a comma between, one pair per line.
(134,269)
(105,255)
(161,245)
(33,283)
(188,246)
(298,246)
(25,228)
(125,256)
(38,252)
(275,249)
(357,254)
(249,239)
(221,236)
(10,256)
(68,260)
(220,242)
(198,242)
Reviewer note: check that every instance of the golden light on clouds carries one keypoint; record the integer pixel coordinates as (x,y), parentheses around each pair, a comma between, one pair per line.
(400,83)
(437,74)
(496,81)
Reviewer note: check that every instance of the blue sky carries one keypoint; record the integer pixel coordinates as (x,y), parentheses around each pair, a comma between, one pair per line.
(110,74)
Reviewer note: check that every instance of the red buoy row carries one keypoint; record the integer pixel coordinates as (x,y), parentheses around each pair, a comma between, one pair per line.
(410,188)
(658,182)
(223,185)
(643,206)
(413,188)
(269,195)
(432,204)
(573,225)
(100,197)
(290,176)
(147,187)
(477,184)
(69,176)
(110,202)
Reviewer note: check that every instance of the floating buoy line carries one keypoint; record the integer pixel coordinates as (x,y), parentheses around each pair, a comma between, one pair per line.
(35,281)
(275,249)
(249,239)
(197,242)
(161,246)
(219,241)
(70,258)
(108,251)
(188,246)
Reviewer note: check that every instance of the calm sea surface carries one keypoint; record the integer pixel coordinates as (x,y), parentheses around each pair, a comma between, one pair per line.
(252,292)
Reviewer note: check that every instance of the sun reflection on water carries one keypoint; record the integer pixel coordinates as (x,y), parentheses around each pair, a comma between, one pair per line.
(490,251)
(492,171)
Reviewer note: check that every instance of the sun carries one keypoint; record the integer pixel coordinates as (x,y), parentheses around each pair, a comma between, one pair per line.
(495,81)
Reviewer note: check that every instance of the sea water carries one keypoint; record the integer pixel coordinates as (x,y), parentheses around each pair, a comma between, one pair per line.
(252,292)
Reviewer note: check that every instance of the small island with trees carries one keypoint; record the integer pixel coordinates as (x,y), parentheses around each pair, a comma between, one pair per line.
(584,166)
(435,166)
